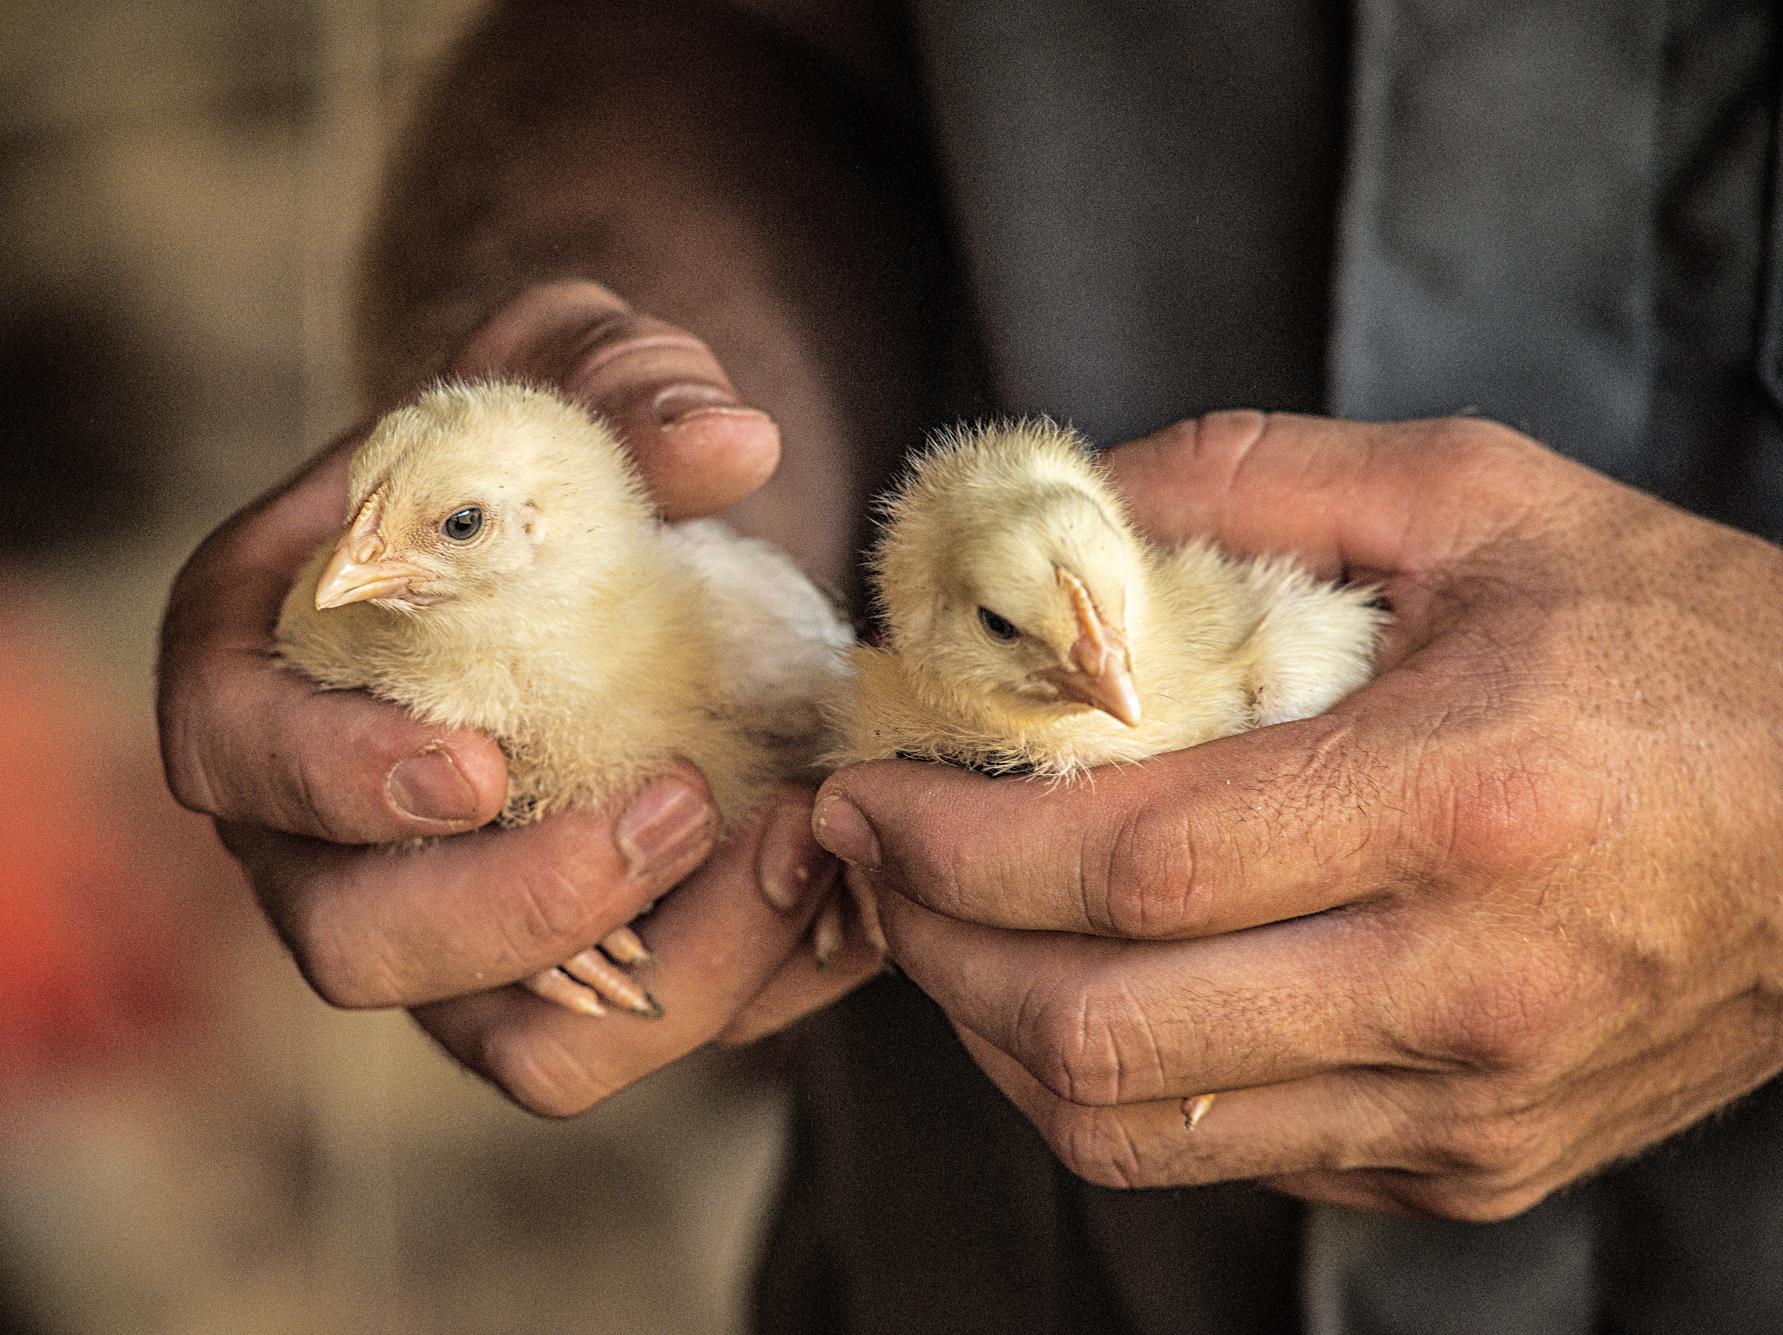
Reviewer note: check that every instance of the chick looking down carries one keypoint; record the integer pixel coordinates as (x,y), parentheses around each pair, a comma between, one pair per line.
(1029,628)
(503,569)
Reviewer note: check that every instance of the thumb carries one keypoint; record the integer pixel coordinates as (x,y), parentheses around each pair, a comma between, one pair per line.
(1369,498)
(699,447)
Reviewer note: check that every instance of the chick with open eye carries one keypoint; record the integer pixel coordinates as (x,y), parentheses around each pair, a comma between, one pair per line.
(503,569)
(1028,628)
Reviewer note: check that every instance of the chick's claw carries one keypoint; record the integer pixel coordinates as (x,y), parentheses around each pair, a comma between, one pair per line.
(826,931)
(557,987)
(625,947)
(593,980)
(866,908)
(594,970)
(829,928)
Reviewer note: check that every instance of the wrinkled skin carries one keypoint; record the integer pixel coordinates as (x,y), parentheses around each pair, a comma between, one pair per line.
(305,784)
(1512,911)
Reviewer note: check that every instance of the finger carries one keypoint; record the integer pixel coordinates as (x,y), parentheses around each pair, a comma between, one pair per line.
(246,740)
(1482,1149)
(803,987)
(1103,1022)
(716,941)
(1366,497)
(400,926)
(1245,830)
(1457,1145)
(700,448)
(815,977)
(1332,1124)
(1499,1152)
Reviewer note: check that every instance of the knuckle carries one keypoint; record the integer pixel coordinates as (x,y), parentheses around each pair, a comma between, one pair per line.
(1051,1040)
(1509,807)
(596,363)
(1501,1145)
(612,334)
(1180,440)
(188,778)
(1485,462)
(311,780)
(541,1075)
(338,982)
(553,911)
(1227,434)
(1140,883)
(1084,1045)
(1095,1144)
(1182,432)
(951,868)
(342,969)
(1506,1021)
(1483,448)
(183,760)
(939,870)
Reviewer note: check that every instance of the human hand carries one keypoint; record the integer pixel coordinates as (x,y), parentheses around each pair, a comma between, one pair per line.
(305,783)
(1508,913)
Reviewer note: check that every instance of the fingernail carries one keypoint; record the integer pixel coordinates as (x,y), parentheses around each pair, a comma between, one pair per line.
(839,826)
(429,786)
(665,823)
(790,868)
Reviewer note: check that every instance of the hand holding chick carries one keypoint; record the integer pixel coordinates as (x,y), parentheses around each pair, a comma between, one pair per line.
(337,804)
(503,571)
(1495,921)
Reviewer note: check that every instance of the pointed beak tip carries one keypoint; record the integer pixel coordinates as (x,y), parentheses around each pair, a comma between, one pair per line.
(1127,711)
(334,593)
(338,578)
(1110,690)
(344,580)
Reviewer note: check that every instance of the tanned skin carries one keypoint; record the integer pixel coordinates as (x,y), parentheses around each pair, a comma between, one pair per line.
(1513,908)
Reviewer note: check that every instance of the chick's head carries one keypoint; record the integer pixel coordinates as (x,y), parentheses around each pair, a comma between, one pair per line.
(1008,576)
(452,500)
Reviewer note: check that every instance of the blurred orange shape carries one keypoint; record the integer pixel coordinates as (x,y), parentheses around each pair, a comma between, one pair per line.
(92,956)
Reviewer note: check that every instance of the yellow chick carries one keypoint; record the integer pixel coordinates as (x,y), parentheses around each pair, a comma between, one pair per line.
(504,570)
(1028,628)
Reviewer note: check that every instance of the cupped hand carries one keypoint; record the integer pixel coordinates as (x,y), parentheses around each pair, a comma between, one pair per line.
(311,788)
(1512,911)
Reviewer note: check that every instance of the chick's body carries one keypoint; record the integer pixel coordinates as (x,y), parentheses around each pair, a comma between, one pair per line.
(615,644)
(1029,627)
(504,570)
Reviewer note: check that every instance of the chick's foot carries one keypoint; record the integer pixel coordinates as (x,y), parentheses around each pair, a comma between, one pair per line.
(829,928)
(594,979)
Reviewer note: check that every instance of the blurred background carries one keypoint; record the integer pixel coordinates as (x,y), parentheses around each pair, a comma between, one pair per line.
(189,1141)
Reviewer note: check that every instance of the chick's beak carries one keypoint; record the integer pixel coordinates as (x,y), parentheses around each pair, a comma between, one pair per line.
(1101,670)
(360,568)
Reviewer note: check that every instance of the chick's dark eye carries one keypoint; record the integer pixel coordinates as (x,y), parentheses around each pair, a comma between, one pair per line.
(463,525)
(996,625)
